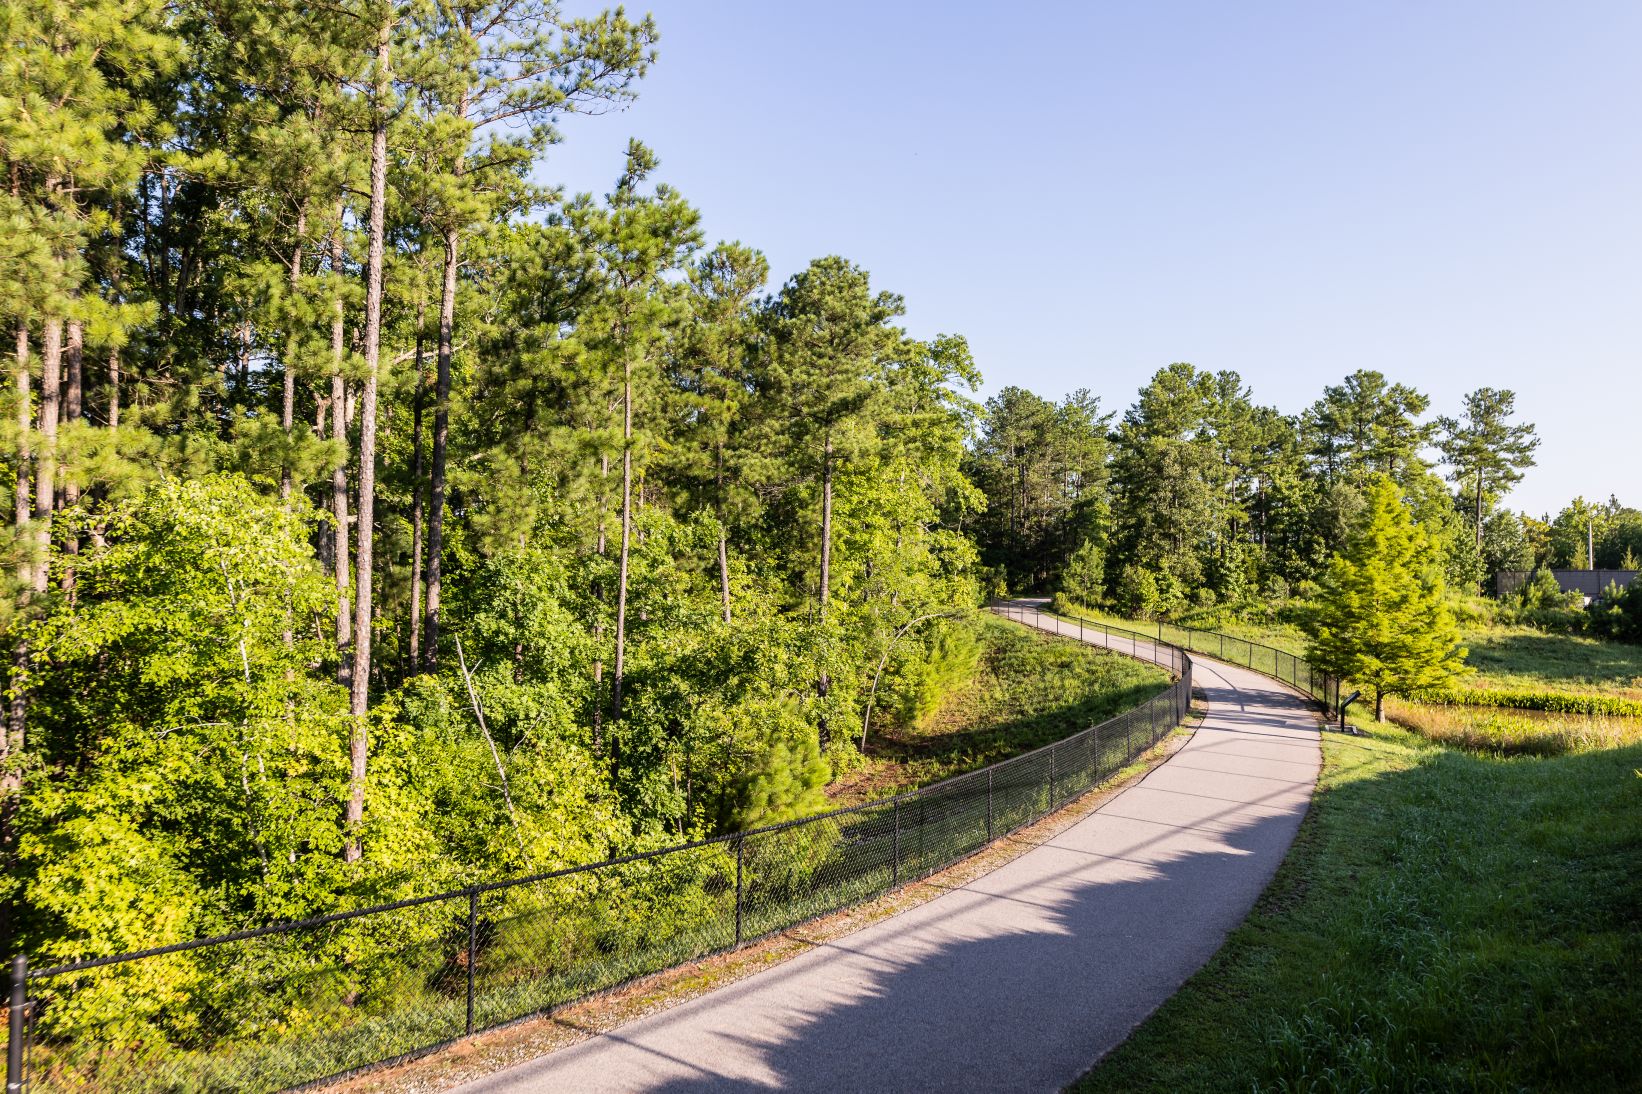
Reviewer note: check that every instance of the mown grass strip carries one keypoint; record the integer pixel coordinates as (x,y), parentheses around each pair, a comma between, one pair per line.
(1446,920)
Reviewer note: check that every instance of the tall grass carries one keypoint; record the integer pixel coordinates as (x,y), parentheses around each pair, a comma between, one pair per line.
(1515,732)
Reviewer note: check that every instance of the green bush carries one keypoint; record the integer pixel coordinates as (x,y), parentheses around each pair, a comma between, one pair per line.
(1555,702)
(1542,604)
(946,662)
(1141,593)
(1084,577)
(1617,614)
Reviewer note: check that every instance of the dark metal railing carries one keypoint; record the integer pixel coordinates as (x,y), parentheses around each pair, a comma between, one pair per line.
(294,1003)
(1290,668)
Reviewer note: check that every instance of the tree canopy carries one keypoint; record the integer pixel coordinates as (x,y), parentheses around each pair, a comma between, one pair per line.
(386,518)
(1380,619)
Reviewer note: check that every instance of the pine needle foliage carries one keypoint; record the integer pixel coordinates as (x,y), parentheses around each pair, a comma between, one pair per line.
(1381,620)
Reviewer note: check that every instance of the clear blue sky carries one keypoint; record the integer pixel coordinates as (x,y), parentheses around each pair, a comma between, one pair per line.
(1450,193)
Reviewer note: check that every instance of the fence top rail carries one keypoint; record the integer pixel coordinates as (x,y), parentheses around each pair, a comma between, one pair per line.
(1296,659)
(1164,697)
(1249,642)
(1080,617)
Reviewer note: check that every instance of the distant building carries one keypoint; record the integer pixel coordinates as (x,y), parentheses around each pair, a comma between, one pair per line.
(1590,583)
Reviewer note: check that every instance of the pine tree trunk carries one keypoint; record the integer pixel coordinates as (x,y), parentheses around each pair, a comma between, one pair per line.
(724,572)
(16,713)
(73,410)
(359,693)
(824,683)
(242,380)
(339,474)
(74,349)
(441,439)
(416,502)
(113,390)
(1479,510)
(626,538)
(1379,705)
(723,545)
(441,416)
(45,468)
(598,596)
(287,402)
(25,409)
(826,525)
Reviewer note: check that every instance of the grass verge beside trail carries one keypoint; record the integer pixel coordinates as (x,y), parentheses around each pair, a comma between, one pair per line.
(1520,657)
(1513,667)
(1445,920)
(1030,689)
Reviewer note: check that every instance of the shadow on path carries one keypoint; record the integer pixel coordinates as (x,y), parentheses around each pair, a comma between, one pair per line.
(1021,978)
(944,1000)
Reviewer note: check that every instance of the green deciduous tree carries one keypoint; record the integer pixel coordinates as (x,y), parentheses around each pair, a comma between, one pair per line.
(188,769)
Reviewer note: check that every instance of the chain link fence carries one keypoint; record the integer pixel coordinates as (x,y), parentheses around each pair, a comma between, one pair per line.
(1290,668)
(296,1003)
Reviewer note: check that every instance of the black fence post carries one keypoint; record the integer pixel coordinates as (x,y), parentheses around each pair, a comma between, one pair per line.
(897,851)
(740,844)
(473,948)
(923,802)
(989,805)
(14,1047)
(1051,786)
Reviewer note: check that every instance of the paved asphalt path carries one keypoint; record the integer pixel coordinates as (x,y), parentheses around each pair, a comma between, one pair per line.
(1021,979)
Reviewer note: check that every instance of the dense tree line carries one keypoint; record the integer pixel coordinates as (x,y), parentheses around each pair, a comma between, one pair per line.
(1199,498)
(385,519)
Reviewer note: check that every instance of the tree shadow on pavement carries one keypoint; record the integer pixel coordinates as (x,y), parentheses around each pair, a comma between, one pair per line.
(1036,972)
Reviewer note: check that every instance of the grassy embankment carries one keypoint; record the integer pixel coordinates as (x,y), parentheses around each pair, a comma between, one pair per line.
(1447,920)
(1029,690)
(1507,658)
(1462,909)
(1529,693)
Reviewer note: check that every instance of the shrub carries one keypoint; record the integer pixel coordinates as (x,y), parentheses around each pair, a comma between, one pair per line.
(1617,614)
(1542,592)
(1142,594)
(946,661)
(1085,574)
(1555,702)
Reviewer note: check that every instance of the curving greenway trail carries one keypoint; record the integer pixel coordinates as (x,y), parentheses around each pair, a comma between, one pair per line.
(1021,979)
